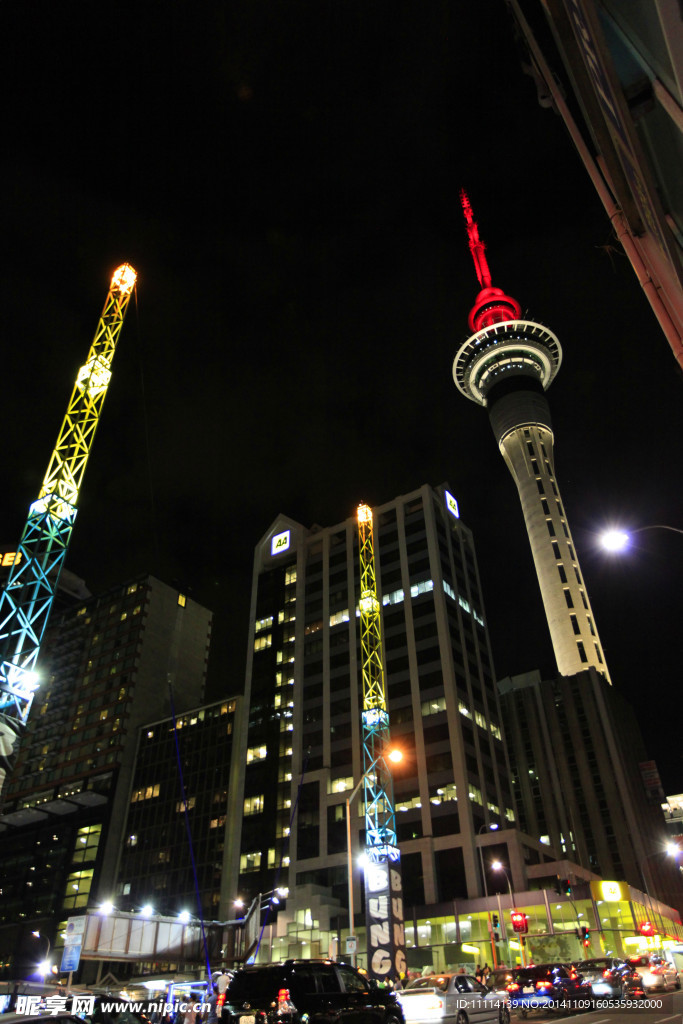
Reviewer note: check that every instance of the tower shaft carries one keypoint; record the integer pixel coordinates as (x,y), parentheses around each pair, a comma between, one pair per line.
(507,365)
(26,601)
(383,886)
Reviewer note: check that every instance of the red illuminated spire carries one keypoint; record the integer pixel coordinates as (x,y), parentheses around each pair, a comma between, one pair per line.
(491,305)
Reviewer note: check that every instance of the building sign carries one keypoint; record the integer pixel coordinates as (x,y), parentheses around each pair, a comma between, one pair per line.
(280,543)
(10,558)
(452,505)
(73,944)
(611,892)
(384,920)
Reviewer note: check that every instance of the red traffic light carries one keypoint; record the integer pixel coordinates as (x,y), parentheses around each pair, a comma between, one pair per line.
(520,921)
(646,928)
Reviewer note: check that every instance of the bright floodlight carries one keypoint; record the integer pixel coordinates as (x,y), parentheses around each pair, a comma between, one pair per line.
(673,849)
(395,755)
(497,866)
(615,540)
(184,916)
(124,278)
(44,967)
(147,910)
(493,826)
(106,907)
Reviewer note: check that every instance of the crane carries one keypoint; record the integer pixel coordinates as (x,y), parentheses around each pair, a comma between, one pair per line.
(385,927)
(26,601)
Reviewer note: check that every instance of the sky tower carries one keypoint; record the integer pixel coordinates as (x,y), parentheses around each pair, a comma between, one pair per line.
(506,365)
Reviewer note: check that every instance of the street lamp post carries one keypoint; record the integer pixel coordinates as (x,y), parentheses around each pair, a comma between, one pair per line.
(44,965)
(395,756)
(497,866)
(492,827)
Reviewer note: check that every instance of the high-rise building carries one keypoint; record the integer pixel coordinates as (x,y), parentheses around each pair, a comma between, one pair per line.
(302,751)
(578,768)
(178,816)
(506,365)
(107,663)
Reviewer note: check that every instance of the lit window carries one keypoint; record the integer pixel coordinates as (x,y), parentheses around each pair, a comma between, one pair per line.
(340,785)
(256,754)
(449,589)
(182,600)
(132,588)
(433,707)
(464,710)
(262,642)
(290,575)
(183,805)
(253,804)
(132,841)
(424,587)
(339,617)
(250,861)
(408,804)
(263,623)
(394,598)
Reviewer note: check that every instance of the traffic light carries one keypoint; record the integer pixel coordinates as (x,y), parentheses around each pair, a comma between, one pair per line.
(647,929)
(564,886)
(520,922)
(494,920)
(585,935)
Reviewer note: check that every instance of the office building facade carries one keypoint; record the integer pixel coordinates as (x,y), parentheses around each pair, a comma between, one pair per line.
(178,816)
(302,749)
(107,662)
(577,760)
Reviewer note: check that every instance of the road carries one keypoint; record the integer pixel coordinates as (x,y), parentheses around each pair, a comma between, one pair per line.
(660,1008)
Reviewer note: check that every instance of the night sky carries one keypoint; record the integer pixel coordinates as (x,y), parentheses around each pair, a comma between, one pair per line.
(284,177)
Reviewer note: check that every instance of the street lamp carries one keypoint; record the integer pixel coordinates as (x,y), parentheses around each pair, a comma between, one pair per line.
(44,966)
(394,755)
(497,866)
(492,827)
(616,540)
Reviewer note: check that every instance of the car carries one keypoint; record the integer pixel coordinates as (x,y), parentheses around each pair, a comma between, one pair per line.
(609,977)
(655,972)
(546,985)
(313,991)
(452,999)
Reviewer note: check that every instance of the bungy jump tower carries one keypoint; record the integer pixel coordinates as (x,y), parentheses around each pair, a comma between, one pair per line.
(506,365)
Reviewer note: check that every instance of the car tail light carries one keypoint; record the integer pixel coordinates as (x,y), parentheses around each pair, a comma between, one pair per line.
(512,987)
(542,984)
(606,973)
(283,1002)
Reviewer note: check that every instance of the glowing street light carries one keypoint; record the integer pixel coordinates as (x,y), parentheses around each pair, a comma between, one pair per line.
(394,755)
(106,907)
(617,540)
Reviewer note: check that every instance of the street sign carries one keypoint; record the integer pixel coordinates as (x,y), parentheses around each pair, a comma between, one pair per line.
(351,944)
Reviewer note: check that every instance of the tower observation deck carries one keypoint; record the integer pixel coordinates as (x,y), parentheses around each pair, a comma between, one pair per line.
(506,365)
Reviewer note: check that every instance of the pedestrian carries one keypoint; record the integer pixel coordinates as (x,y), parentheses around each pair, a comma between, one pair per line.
(485,971)
(477,973)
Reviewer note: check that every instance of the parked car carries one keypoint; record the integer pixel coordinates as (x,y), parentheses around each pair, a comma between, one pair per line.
(315,991)
(551,985)
(609,977)
(655,972)
(452,999)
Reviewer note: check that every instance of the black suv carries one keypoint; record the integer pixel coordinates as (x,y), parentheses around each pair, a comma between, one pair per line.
(313,991)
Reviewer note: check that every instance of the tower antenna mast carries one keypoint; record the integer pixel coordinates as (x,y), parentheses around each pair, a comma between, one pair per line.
(26,601)
(385,927)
